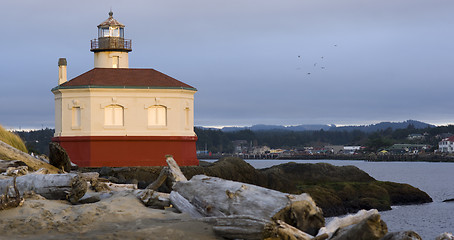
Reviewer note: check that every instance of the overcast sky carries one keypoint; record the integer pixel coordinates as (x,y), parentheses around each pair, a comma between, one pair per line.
(283,62)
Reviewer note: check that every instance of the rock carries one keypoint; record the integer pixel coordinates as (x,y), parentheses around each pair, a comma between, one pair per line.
(402,194)
(58,157)
(371,228)
(445,236)
(90,198)
(406,235)
(449,200)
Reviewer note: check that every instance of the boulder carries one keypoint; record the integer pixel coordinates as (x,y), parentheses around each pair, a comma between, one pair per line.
(58,157)
(371,228)
(445,236)
(406,235)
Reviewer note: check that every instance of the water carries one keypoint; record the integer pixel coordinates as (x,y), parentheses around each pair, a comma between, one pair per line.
(436,179)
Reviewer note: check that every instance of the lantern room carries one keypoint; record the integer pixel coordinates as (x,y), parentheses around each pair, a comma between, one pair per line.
(111,48)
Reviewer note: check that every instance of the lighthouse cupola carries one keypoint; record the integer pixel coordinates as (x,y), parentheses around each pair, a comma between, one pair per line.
(111,48)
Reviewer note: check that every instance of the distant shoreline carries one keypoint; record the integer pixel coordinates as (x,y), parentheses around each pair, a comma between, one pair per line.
(359,157)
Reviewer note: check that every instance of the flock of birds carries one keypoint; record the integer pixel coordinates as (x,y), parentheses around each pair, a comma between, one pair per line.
(315,63)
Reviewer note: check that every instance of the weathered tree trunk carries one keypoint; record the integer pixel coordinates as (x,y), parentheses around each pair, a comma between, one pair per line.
(218,197)
(153,199)
(33,163)
(7,201)
(51,186)
(160,180)
(175,173)
(242,227)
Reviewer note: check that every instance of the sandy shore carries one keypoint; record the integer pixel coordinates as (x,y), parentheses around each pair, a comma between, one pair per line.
(121,216)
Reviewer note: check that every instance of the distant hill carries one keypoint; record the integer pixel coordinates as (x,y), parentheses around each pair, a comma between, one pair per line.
(263,127)
(384,125)
(326,127)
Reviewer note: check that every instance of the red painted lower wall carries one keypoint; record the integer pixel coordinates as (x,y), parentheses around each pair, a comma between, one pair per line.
(123,151)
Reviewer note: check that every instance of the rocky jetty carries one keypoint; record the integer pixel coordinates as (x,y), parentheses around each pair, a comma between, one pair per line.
(337,190)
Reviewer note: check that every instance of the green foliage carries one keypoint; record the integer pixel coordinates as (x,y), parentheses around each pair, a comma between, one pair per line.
(37,141)
(12,139)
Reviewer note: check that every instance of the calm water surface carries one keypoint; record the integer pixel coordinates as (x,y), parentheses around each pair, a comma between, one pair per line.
(436,179)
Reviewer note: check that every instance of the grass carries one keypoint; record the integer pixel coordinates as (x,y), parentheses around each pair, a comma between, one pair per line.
(12,139)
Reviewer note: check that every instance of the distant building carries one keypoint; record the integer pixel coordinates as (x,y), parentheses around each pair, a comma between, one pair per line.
(446,145)
(415,136)
(261,150)
(334,149)
(351,149)
(407,148)
(114,115)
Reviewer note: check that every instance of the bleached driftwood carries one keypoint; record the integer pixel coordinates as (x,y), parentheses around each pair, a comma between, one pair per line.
(31,162)
(89,176)
(7,201)
(153,199)
(218,197)
(160,180)
(371,227)
(51,186)
(242,227)
(286,231)
(175,173)
(16,171)
(337,223)
(183,205)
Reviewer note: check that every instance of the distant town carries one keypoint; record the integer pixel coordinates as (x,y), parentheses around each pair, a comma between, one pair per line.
(404,141)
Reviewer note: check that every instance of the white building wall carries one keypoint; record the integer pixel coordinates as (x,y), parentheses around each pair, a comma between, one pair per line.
(179,105)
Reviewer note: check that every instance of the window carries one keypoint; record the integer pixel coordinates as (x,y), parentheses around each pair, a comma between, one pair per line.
(105,32)
(186,116)
(114,32)
(113,115)
(115,62)
(76,117)
(157,116)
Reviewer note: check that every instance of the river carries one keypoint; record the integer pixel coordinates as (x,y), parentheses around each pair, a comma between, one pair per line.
(436,179)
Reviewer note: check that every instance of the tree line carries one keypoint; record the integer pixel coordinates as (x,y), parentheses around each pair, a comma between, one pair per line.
(217,141)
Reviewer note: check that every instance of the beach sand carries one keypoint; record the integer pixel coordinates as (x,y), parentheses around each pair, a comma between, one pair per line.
(121,216)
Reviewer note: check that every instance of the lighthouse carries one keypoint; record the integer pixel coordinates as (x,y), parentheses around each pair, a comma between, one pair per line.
(113,115)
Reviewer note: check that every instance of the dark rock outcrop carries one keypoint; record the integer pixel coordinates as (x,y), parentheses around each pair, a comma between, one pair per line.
(58,157)
(337,190)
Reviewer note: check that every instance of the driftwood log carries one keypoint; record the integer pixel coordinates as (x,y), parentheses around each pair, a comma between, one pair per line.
(32,163)
(7,201)
(153,199)
(365,225)
(51,186)
(213,196)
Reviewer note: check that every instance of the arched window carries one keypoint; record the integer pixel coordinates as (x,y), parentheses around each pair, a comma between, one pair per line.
(157,116)
(113,115)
